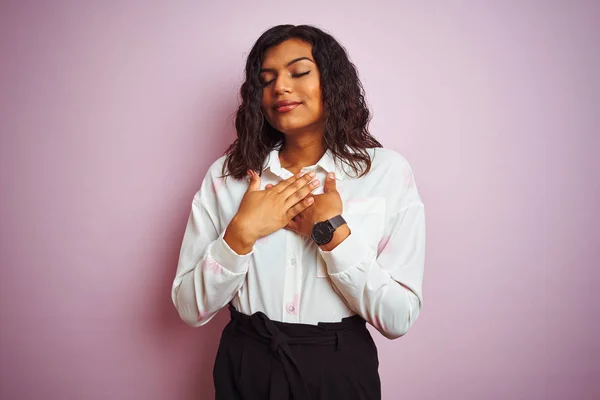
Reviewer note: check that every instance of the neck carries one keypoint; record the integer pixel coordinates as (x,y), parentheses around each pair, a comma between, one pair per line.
(299,152)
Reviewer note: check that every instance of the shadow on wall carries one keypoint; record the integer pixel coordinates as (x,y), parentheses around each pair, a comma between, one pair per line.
(195,348)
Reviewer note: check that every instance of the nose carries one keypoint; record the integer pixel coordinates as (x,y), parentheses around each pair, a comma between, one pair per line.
(282,84)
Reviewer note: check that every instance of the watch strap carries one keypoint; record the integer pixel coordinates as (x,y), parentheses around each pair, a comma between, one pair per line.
(337,221)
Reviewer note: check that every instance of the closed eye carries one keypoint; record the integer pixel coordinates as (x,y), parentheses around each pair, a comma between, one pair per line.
(300,74)
(293,76)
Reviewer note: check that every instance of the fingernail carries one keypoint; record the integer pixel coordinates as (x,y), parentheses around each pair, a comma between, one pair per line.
(331,175)
(301,174)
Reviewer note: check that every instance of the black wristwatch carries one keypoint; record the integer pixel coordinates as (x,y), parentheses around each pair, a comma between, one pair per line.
(322,232)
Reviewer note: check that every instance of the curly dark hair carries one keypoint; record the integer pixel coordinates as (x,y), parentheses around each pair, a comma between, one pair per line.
(346,115)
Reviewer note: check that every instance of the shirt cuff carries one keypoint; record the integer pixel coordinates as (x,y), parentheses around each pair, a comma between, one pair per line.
(228,258)
(350,252)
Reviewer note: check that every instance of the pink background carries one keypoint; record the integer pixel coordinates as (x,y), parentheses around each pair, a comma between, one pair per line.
(111,114)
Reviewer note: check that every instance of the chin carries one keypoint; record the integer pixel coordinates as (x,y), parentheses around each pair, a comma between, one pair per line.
(293,127)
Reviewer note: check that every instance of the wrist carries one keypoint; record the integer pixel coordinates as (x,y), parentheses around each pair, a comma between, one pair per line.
(325,217)
(239,237)
(340,234)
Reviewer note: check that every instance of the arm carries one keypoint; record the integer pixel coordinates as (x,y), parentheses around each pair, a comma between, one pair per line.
(383,283)
(386,289)
(209,271)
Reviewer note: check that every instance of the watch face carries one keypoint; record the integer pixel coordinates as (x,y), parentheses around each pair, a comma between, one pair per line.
(322,232)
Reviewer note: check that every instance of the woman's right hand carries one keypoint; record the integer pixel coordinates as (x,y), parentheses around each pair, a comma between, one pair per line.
(263,212)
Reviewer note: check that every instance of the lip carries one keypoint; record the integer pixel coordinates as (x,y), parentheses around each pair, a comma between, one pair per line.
(285,105)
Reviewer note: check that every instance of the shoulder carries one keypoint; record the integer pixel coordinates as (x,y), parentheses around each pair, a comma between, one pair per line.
(390,170)
(216,168)
(384,159)
(213,177)
(214,185)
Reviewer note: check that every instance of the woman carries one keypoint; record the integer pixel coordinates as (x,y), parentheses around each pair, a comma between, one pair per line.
(353,240)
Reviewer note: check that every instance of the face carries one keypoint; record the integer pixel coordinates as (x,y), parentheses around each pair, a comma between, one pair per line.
(291,99)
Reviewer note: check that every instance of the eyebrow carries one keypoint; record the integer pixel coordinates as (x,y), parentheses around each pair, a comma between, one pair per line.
(295,60)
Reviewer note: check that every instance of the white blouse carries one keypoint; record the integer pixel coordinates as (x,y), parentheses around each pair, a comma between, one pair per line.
(376,272)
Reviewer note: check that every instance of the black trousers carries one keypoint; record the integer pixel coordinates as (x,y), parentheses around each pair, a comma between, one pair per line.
(263,359)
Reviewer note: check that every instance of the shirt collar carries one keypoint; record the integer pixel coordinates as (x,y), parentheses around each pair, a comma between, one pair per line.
(327,163)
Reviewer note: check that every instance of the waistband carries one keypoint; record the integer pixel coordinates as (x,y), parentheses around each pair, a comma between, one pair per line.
(257,321)
(280,335)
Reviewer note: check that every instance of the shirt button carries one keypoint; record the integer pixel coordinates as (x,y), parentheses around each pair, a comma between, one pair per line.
(293,261)
(291,308)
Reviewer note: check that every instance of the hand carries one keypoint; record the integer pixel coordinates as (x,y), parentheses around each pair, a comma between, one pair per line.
(325,206)
(263,212)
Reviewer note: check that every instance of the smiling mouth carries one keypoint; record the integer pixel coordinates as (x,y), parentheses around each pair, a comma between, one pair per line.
(287,108)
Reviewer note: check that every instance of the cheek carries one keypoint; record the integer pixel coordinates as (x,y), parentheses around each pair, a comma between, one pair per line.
(264,105)
(264,100)
(314,92)
(316,101)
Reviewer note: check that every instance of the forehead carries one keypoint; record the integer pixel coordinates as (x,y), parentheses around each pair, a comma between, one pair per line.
(281,54)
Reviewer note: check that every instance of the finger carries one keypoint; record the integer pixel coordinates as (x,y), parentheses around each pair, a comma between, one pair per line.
(283,185)
(254,181)
(330,184)
(292,226)
(269,186)
(297,185)
(300,206)
(301,193)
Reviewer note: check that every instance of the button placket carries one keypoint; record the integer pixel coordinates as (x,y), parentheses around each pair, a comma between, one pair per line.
(293,284)
(290,279)
(293,274)
(297,277)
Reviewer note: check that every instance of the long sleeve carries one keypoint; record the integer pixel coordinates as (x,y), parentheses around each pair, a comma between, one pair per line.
(209,272)
(384,286)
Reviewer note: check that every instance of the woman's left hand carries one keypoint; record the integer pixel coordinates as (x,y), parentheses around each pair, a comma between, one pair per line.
(325,206)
